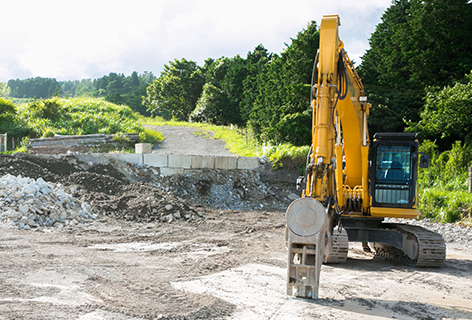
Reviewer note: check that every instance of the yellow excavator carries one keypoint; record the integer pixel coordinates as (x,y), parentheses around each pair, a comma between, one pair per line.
(352,184)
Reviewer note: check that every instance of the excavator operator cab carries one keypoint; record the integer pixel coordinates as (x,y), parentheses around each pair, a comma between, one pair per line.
(394,170)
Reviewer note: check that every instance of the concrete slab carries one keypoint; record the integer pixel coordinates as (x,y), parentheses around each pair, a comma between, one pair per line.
(248,163)
(200,162)
(142,148)
(227,163)
(155,159)
(179,161)
(171,171)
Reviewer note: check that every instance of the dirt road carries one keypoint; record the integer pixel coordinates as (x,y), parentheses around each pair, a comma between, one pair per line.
(190,141)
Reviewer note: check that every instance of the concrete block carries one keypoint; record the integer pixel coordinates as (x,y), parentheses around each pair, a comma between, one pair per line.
(248,163)
(171,171)
(227,163)
(179,161)
(155,159)
(131,157)
(200,162)
(142,148)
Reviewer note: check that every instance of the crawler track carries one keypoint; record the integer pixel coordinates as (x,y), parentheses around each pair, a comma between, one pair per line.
(340,247)
(431,247)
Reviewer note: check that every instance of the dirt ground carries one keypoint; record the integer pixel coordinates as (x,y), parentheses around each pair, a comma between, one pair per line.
(230,265)
(135,262)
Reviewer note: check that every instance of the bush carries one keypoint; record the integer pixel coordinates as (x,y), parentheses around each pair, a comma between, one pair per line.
(152,136)
(288,156)
(444,206)
(443,195)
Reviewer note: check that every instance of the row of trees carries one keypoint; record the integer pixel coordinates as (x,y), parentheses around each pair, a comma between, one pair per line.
(114,87)
(33,87)
(268,92)
(417,49)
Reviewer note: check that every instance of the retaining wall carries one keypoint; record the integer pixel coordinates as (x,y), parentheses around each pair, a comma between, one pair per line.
(170,164)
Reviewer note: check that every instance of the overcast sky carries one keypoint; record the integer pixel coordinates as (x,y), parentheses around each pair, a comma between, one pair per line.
(78,39)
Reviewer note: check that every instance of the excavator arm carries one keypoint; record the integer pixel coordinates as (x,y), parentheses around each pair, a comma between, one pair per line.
(340,133)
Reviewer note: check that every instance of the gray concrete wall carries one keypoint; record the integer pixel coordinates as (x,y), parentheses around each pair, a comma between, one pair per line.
(170,164)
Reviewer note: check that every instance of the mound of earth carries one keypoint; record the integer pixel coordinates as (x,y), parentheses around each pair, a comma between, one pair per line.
(138,193)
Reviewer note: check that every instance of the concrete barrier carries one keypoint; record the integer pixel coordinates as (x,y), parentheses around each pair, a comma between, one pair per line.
(179,161)
(143,148)
(131,157)
(171,171)
(155,159)
(226,163)
(170,164)
(200,162)
(247,163)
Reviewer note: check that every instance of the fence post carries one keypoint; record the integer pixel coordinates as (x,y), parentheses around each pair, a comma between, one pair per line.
(470,179)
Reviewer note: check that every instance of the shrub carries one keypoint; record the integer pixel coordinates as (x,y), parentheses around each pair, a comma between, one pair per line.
(444,206)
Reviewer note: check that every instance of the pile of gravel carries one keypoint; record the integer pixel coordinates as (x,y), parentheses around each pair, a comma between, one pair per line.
(28,203)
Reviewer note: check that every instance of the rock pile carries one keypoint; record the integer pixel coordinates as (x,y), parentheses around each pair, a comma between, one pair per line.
(27,203)
(228,190)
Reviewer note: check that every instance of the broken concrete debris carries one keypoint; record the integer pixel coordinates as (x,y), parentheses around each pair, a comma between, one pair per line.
(27,203)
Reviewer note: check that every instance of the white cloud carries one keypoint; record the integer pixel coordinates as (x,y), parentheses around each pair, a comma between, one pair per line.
(88,39)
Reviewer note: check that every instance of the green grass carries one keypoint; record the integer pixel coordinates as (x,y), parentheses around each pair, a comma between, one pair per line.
(152,136)
(287,156)
(440,205)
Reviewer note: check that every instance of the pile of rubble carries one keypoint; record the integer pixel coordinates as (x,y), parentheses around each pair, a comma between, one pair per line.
(229,190)
(96,186)
(28,203)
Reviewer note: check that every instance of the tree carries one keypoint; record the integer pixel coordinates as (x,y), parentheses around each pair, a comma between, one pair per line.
(417,44)
(175,93)
(4,89)
(447,114)
(33,87)
(221,95)
(256,64)
(282,109)
(8,120)
(211,106)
